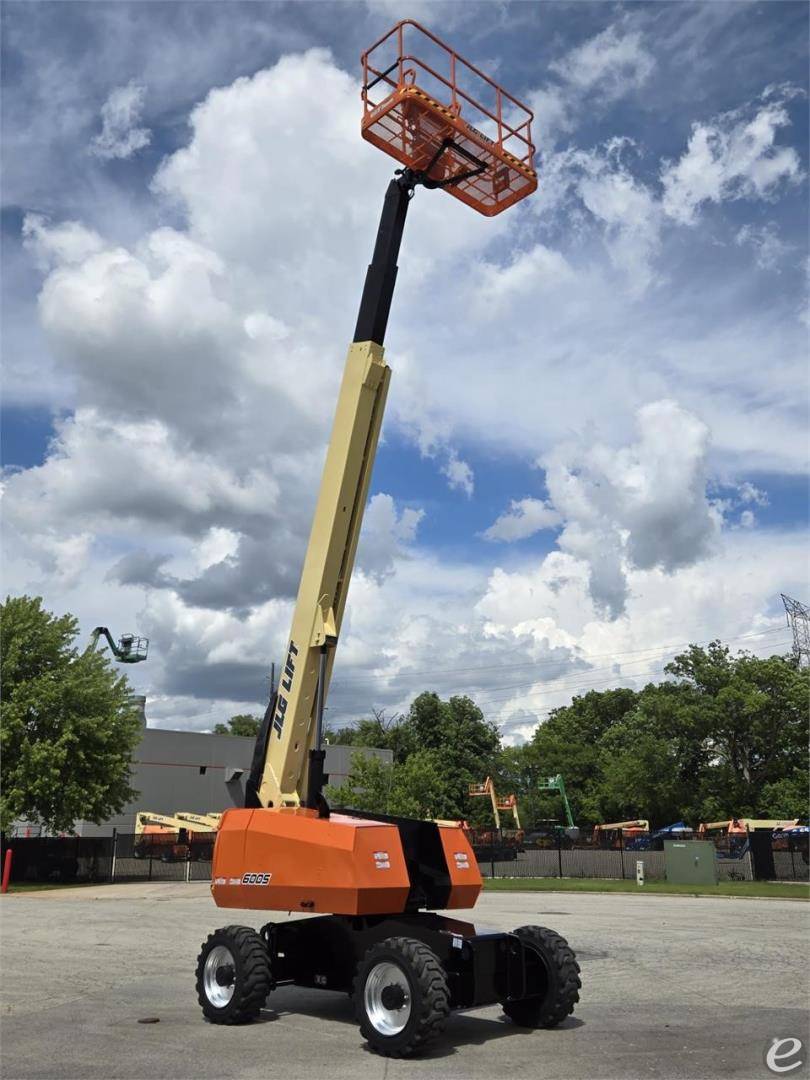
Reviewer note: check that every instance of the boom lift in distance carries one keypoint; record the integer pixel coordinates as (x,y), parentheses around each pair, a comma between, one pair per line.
(375,882)
(509,802)
(556,783)
(130,649)
(210,821)
(169,835)
(743,826)
(635,829)
(496,845)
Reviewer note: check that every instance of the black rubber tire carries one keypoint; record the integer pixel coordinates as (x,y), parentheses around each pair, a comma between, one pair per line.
(430,996)
(252,977)
(562,986)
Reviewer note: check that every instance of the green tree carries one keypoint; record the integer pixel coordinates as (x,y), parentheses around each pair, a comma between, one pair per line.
(380,731)
(723,736)
(568,743)
(244,724)
(749,715)
(367,787)
(439,749)
(67,727)
(414,788)
(465,743)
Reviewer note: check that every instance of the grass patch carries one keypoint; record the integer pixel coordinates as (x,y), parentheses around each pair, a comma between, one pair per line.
(41,886)
(779,890)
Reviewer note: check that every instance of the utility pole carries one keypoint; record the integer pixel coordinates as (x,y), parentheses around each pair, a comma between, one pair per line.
(798,618)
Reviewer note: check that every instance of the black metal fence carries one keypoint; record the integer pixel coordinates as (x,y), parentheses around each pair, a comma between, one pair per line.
(510,854)
(60,859)
(121,857)
(791,858)
(502,854)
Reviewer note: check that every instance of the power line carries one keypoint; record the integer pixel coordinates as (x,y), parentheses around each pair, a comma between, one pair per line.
(340,683)
(570,688)
(337,687)
(607,683)
(550,687)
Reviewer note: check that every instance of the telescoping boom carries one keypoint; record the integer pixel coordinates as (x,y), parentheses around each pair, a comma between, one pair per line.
(374,881)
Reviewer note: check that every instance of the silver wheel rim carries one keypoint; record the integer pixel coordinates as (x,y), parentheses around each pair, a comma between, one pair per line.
(219,957)
(386,1020)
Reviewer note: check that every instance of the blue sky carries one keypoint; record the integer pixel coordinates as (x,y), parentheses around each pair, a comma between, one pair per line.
(595,440)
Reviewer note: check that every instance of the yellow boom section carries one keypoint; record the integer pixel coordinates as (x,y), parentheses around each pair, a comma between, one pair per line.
(210,821)
(326,573)
(144,818)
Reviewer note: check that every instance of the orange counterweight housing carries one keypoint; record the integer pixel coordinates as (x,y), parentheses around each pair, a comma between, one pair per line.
(465,877)
(291,859)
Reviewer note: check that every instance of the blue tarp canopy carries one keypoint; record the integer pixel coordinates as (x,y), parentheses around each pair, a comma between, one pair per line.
(677,827)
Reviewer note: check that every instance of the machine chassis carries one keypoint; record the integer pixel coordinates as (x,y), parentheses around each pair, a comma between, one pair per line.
(482,967)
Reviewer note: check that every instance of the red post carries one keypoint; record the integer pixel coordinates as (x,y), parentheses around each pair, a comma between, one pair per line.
(6,871)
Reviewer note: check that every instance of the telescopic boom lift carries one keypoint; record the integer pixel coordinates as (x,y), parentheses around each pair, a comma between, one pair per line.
(374,881)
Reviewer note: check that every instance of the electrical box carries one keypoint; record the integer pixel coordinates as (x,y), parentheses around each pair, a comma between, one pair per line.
(690,862)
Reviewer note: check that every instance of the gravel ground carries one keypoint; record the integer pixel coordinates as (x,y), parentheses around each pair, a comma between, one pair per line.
(672,987)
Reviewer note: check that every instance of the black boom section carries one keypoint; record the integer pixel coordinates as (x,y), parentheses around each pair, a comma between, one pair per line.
(259,757)
(378,290)
(424,857)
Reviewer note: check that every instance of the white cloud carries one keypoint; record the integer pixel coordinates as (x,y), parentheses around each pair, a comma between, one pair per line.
(596,192)
(459,474)
(385,535)
(539,270)
(204,363)
(769,248)
(554,111)
(613,62)
(115,474)
(750,493)
(733,595)
(524,518)
(120,136)
(67,243)
(628,211)
(732,156)
(642,505)
(217,545)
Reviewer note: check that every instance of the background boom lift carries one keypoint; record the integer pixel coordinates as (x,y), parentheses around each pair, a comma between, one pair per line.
(500,803)
(130,649)
(556,783)
(377,879)
(169,835)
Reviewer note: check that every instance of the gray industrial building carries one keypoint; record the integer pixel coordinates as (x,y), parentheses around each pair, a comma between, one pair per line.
(197,772)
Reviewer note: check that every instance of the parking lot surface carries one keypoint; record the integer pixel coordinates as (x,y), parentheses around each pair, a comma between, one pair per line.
(672,987)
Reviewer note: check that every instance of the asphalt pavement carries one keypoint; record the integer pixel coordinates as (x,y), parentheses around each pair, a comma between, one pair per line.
(673,987)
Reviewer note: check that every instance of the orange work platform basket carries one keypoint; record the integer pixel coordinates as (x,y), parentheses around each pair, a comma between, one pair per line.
(441,117)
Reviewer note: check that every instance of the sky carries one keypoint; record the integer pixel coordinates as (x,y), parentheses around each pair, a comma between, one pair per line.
(595,448)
